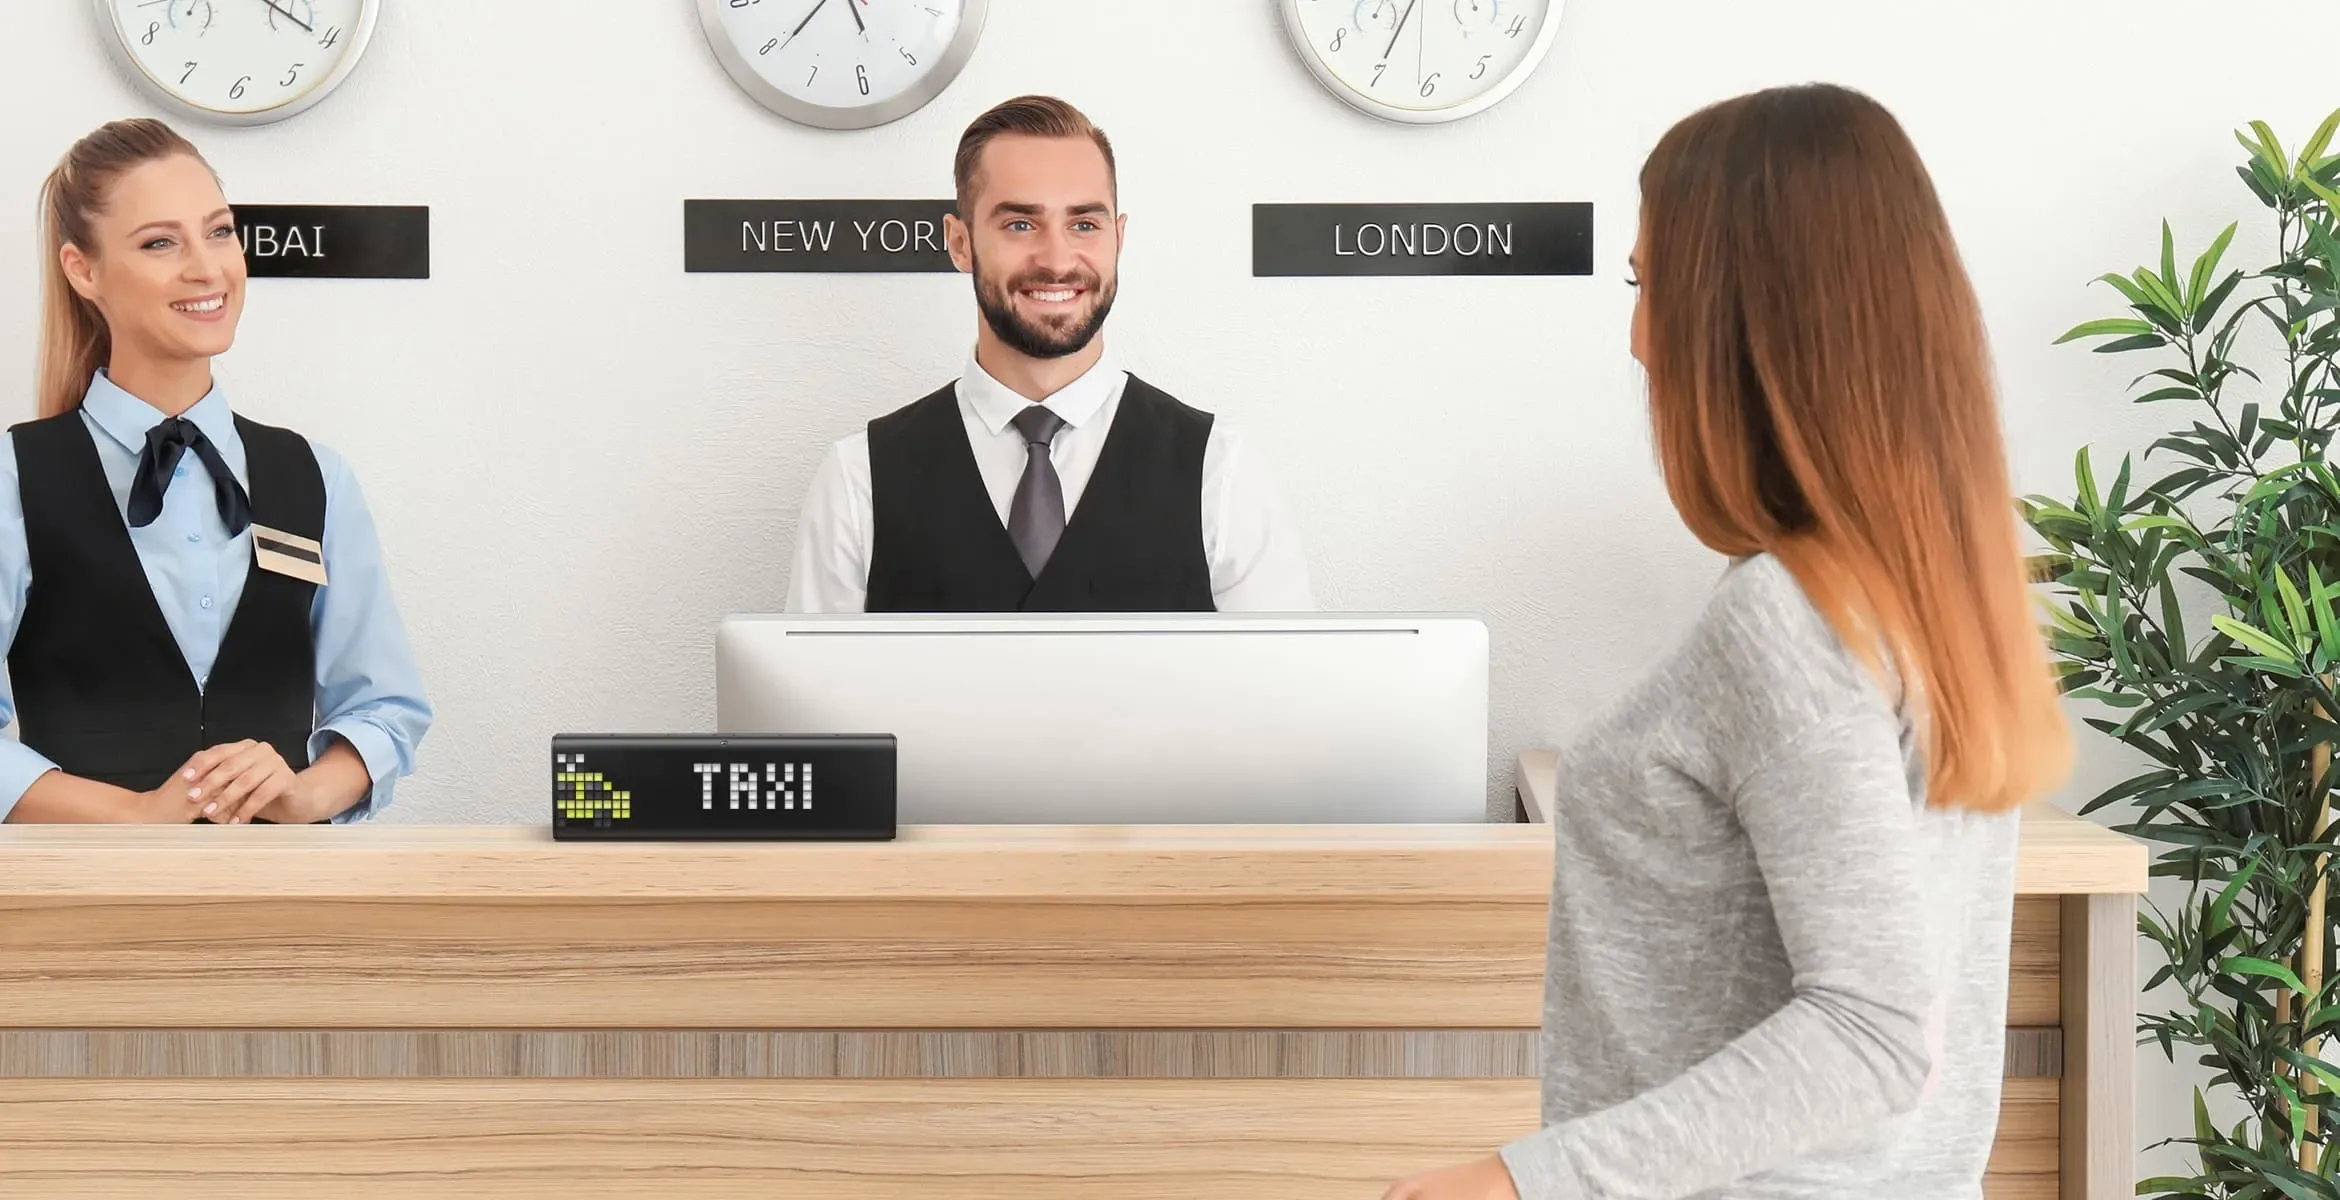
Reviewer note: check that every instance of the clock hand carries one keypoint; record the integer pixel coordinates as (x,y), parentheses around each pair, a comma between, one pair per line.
(858,23)
(1401,27)
(286,13)
(806,21)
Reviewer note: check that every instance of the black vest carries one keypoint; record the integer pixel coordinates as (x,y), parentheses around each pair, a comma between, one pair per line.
(102,689)
(1133,543)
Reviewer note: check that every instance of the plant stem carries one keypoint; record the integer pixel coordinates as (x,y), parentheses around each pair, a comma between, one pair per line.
(2311,950)
(2250,461)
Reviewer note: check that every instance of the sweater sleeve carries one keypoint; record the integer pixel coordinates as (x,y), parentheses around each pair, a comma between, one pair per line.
(1834,832)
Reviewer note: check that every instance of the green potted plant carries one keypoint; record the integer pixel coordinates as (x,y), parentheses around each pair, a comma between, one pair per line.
(2234,714)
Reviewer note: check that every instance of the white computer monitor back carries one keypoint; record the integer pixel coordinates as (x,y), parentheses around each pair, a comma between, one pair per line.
(1134,720)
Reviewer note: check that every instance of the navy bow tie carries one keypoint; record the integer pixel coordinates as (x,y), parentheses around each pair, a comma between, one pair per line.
(165,444)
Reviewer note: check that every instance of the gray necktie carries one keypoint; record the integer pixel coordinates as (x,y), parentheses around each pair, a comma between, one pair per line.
(1036,516)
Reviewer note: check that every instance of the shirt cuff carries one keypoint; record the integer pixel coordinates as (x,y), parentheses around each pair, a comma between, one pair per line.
(20,766)
(374,749)
(1540,1169)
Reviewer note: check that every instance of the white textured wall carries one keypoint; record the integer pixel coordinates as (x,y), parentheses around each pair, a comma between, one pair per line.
(580,457)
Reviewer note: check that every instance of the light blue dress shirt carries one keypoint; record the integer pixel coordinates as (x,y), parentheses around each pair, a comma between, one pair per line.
(368,690)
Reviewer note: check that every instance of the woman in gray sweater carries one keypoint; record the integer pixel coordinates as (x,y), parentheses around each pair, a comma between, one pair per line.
(1784,865)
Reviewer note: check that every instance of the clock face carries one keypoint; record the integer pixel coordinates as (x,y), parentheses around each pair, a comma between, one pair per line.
(1421,61)
(242,61)
(842,64)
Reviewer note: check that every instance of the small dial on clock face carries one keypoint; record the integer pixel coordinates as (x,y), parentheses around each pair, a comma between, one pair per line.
(874,56)
(238,56)
(1422,59)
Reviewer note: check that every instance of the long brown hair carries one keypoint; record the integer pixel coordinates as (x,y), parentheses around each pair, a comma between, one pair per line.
(1820,389)
(74,341)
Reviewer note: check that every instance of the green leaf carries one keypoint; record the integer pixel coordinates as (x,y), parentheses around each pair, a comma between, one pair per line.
(2206,266)
(2167,712)
(2321,1070)
(2276,160)
(2311,155)
(2325,194)
(2169,268)
(2159,289)
(2084,473)
(2245,965)
(2252,638)
(2131,292)
(2224,905)
(2250,178)
(2168,393)
(2109,325)
(2294,609)
(2172,613)
(2298,1111)
(2275,483)
(2116,633)
(2210,304)
(2327,622)
(2143,341)
(2281,1174)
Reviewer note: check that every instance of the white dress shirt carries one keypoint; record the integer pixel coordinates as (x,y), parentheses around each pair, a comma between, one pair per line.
(1249,538)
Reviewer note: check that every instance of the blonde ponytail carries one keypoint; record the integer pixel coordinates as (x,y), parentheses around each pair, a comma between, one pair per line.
(74,338)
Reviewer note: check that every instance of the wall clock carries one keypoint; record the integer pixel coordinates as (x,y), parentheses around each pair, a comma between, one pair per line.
(238,62)
(842,64)
(1421,62)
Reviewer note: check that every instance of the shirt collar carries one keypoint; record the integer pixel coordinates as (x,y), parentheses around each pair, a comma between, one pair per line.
(996,404)
(126,418)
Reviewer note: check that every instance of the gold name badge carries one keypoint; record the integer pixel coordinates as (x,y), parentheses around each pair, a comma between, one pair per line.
(288,554)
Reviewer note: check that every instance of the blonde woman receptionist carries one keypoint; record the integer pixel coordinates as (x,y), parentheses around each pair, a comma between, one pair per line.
(198,623)
(1784,861)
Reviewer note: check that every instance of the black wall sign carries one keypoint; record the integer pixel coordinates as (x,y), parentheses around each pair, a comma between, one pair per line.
(815,235)
(1422,239)
(335,241)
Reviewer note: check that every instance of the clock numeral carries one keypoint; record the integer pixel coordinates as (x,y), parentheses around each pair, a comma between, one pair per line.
(912,58)
(861,73)
(1378,68)
(190,72)
(769,46)
(1431,84)
(744,3)
(1481,69)
(237,92)
(816,74)
(151,30)
(1517,25)
(331,39)
(1339,35)
(291,75)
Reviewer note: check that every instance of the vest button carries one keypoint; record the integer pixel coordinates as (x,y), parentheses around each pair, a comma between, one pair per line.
(207,602)
(194,537)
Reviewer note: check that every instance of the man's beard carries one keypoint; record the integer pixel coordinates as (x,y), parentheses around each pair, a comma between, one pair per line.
(1032,339)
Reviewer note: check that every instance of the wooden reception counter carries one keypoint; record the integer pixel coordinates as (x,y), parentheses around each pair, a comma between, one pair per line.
(1137,1012)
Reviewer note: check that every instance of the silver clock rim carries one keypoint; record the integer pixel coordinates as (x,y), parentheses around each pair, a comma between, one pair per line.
(118,42)
(864,116)
(1545,35)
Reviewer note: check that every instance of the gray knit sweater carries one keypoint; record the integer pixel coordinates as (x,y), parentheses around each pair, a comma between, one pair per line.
(1772,971)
